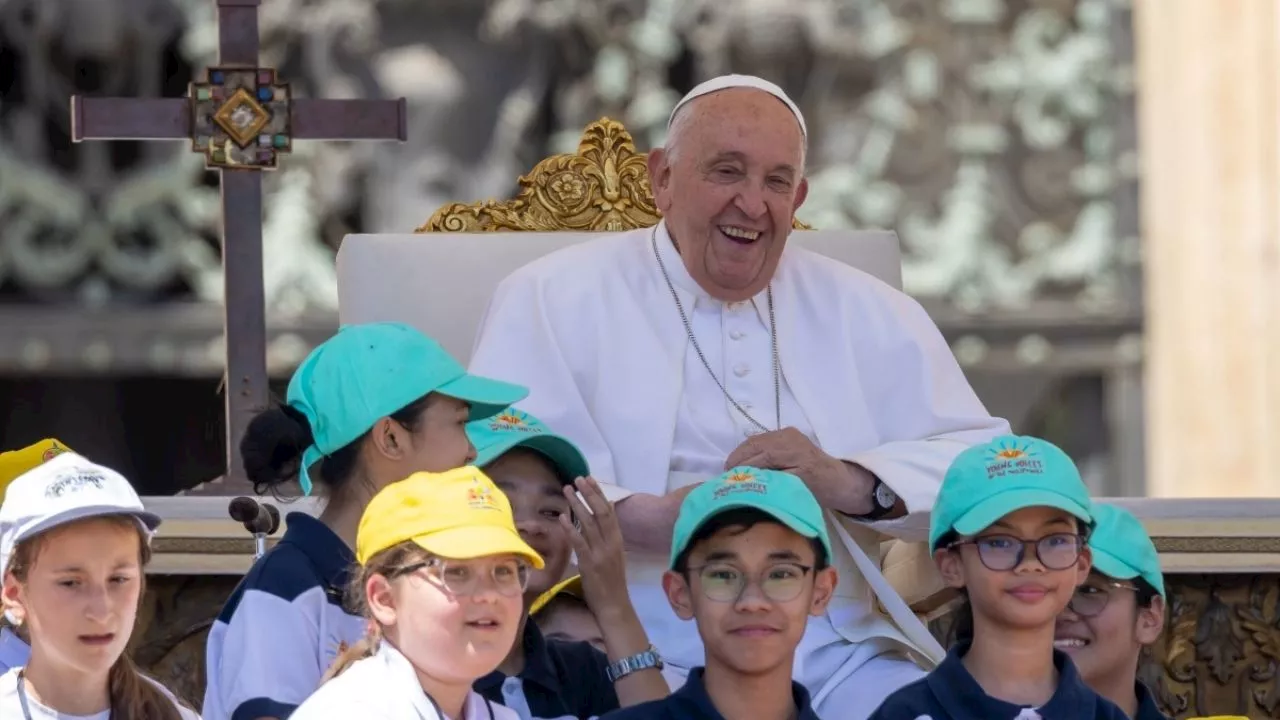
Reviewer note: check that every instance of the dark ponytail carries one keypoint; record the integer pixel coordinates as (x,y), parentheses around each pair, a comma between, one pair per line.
(276,438)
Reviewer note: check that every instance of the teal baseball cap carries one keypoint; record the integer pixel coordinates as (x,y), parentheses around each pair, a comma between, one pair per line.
(494,436)
(1122,549)
(986,482)
(369,371)
(782,496)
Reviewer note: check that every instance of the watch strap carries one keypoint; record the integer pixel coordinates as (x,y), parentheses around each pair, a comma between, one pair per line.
(634,663)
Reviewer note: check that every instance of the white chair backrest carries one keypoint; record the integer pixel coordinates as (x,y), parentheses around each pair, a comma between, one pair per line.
(413,278)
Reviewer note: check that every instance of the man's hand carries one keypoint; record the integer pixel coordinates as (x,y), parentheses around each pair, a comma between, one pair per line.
(597,540)
(836,484)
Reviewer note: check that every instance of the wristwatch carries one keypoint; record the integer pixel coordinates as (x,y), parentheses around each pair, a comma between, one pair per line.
(635,663)
(883,500)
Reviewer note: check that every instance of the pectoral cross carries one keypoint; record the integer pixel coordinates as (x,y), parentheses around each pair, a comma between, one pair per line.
(241,118)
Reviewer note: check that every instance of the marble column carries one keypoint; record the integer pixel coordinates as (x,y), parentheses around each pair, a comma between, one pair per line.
(1209,134)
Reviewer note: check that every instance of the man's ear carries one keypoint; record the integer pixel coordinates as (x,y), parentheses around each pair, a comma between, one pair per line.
(381,601)
(824,587)
(11,599)
(678,594)
(950,567)
(802,192)
(1151,621)
(659,165)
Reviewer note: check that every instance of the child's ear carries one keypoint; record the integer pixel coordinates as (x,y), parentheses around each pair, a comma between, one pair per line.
(11,599)
(381,600)
(386,439)
(1084,564)
(949,567)
(678,594)
(824,587)
(1151,621)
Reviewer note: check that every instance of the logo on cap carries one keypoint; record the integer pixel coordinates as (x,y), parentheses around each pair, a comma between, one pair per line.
(740,481)
(1014,459)
(74,481)
(481,498)
(54,451)
(513,421)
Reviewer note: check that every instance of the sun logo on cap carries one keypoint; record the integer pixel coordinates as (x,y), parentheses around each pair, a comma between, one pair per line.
(508,419)
(1010,452)
(739,476)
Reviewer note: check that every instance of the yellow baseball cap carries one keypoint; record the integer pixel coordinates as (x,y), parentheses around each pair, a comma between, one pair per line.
(459,514)
(18,462)
(571,587)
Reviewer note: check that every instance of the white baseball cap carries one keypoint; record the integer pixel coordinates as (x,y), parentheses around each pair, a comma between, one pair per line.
(62,490)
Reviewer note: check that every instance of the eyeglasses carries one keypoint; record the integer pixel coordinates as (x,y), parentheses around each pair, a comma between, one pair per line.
(462,578)
(1091,599)
(1006,552)
(779,583)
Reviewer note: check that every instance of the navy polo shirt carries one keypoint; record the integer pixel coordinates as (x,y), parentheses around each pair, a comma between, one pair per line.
(559,680)
(951,693)
(1147,708)
(691,702)
(282,627)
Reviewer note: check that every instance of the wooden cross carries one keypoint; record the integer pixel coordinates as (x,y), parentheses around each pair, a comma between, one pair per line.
(240,118)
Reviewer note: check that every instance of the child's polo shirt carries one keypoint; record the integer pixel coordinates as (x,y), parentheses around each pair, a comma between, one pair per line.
(13,651)
(951,693)
(559,680)
(691,702)
(282,627)
(1147,708)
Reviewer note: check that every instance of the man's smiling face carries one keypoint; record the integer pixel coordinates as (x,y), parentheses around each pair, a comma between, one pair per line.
(728,185)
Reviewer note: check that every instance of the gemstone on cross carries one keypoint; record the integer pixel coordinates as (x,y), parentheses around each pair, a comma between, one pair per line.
(241,117)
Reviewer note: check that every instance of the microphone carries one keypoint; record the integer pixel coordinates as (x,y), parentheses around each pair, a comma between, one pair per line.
(260,519)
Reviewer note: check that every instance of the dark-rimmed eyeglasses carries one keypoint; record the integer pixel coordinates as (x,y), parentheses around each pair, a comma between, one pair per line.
(725,583)
(462,578)
(1090,599)
(1001,553)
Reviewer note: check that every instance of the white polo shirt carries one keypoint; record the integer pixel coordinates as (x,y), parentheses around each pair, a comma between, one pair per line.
(385,687)
(12,706)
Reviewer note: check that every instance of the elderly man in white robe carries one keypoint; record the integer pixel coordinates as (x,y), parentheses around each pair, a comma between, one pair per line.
(671,354)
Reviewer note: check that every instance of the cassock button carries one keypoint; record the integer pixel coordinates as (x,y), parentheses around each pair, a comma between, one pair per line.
(741,370)
(736,334)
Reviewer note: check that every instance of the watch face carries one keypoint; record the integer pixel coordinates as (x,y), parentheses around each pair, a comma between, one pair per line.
(885,497)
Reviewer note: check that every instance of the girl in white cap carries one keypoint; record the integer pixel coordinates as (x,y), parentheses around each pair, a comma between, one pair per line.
(74,542)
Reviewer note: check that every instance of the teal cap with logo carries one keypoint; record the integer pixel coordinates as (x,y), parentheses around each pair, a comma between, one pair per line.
(498,434)
(987,482)
(369,371)
(1122,549)
(780,495)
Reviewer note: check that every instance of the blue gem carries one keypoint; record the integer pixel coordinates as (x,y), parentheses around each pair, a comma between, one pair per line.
(264,94)
(215,77)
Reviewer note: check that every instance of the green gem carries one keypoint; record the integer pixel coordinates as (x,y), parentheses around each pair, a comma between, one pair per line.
(280,141)
(219,156)
(202,93)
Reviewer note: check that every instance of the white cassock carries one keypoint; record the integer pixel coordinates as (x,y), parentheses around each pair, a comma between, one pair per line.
(594,333)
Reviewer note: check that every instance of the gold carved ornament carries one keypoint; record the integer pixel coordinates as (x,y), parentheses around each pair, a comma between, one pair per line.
(602,187)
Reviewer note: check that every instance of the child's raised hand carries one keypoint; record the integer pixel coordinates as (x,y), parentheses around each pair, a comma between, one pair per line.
(597,541)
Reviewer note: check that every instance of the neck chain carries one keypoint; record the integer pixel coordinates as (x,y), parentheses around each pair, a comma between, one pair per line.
(688,327)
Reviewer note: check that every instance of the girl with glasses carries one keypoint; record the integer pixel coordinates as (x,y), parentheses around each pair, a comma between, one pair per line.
(441,582)
(1117,612)
(1008,529)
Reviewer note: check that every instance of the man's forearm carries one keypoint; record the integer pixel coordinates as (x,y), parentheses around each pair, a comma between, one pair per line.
(647,521)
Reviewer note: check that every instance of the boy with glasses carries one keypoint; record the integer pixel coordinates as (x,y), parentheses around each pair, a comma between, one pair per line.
(1117,612)
(749,565)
